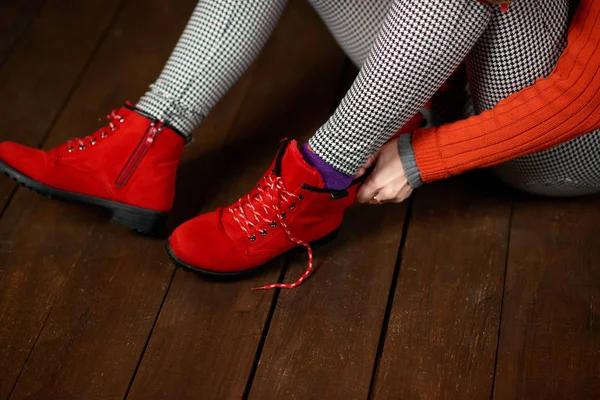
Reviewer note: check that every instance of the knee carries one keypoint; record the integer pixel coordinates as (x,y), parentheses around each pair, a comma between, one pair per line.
(551,188)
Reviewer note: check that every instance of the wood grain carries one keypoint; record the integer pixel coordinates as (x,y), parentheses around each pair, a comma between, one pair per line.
(90,310)
(113,282)
(443,328)
(333,322)
(32,265)
(550,334)
(15,17)
(39,75)
(207,335)
(323,338)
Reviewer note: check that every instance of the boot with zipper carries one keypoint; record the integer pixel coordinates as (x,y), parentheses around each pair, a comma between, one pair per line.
(287,209)
(127,167)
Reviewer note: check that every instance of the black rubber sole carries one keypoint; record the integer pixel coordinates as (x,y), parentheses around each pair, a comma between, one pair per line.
(141,220)
(242,274)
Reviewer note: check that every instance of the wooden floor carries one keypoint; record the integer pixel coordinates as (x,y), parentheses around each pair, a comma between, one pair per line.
(468,291)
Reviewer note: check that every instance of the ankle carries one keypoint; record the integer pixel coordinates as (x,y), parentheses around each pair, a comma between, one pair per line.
(150,115)
(332,178)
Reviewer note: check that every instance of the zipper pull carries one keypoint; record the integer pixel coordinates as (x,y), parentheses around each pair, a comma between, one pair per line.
(153,131)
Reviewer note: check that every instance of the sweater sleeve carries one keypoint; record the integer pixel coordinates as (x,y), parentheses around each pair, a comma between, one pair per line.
(550,112)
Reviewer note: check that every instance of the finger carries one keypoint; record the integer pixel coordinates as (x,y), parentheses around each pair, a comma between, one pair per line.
(367,190)
(371,161)
(374,201)
(387,194)
(360,173)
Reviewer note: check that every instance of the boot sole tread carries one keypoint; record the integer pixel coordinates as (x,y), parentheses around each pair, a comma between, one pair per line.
(142,220)
(247,272)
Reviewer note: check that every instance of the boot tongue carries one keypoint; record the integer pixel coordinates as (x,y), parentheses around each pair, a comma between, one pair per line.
(295,170)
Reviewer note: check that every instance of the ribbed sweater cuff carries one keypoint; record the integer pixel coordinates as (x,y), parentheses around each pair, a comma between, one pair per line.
(407,156)
(428,156)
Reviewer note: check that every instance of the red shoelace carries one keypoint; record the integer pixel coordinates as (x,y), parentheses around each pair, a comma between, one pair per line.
(272,197)
(92,139)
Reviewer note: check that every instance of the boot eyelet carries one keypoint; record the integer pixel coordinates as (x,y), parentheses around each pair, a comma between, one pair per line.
(263,232)
(292,206)
(81,147)
(282,215)
(122,120)
(70,149)
(93,141)
(300,198)
(113,128)
(252,238)
(273,225)
(103,135)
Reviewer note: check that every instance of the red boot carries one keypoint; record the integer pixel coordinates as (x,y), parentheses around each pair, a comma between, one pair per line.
(287,208)
(127,167)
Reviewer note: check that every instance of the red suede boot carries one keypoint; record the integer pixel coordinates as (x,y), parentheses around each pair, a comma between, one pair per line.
(127,167)
(288,208)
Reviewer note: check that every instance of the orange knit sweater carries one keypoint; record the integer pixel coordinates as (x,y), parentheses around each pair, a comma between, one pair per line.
(550,112)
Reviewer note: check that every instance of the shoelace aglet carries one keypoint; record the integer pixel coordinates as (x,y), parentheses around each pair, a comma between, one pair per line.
(276,286)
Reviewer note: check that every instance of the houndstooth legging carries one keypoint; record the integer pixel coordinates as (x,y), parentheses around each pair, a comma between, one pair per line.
(406,49)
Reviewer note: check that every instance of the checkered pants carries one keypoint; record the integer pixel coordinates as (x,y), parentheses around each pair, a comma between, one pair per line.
(406,49)
(219,43)
(222,39)
(516,49)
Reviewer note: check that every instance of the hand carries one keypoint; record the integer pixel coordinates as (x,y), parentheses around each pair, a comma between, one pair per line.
(387,181)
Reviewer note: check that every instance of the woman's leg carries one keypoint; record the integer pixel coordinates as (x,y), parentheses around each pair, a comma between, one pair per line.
(419,44)
(517,48)
(129,166)
(354,24)
(416,49)
(220,41)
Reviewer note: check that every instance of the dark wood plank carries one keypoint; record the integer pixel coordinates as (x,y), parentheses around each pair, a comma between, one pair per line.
(41,71)
(550,333)
(32,270)
(328,330)
(107,287)
(33,91)
(443,328)
(15,16)
(323,338)
(207,334)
